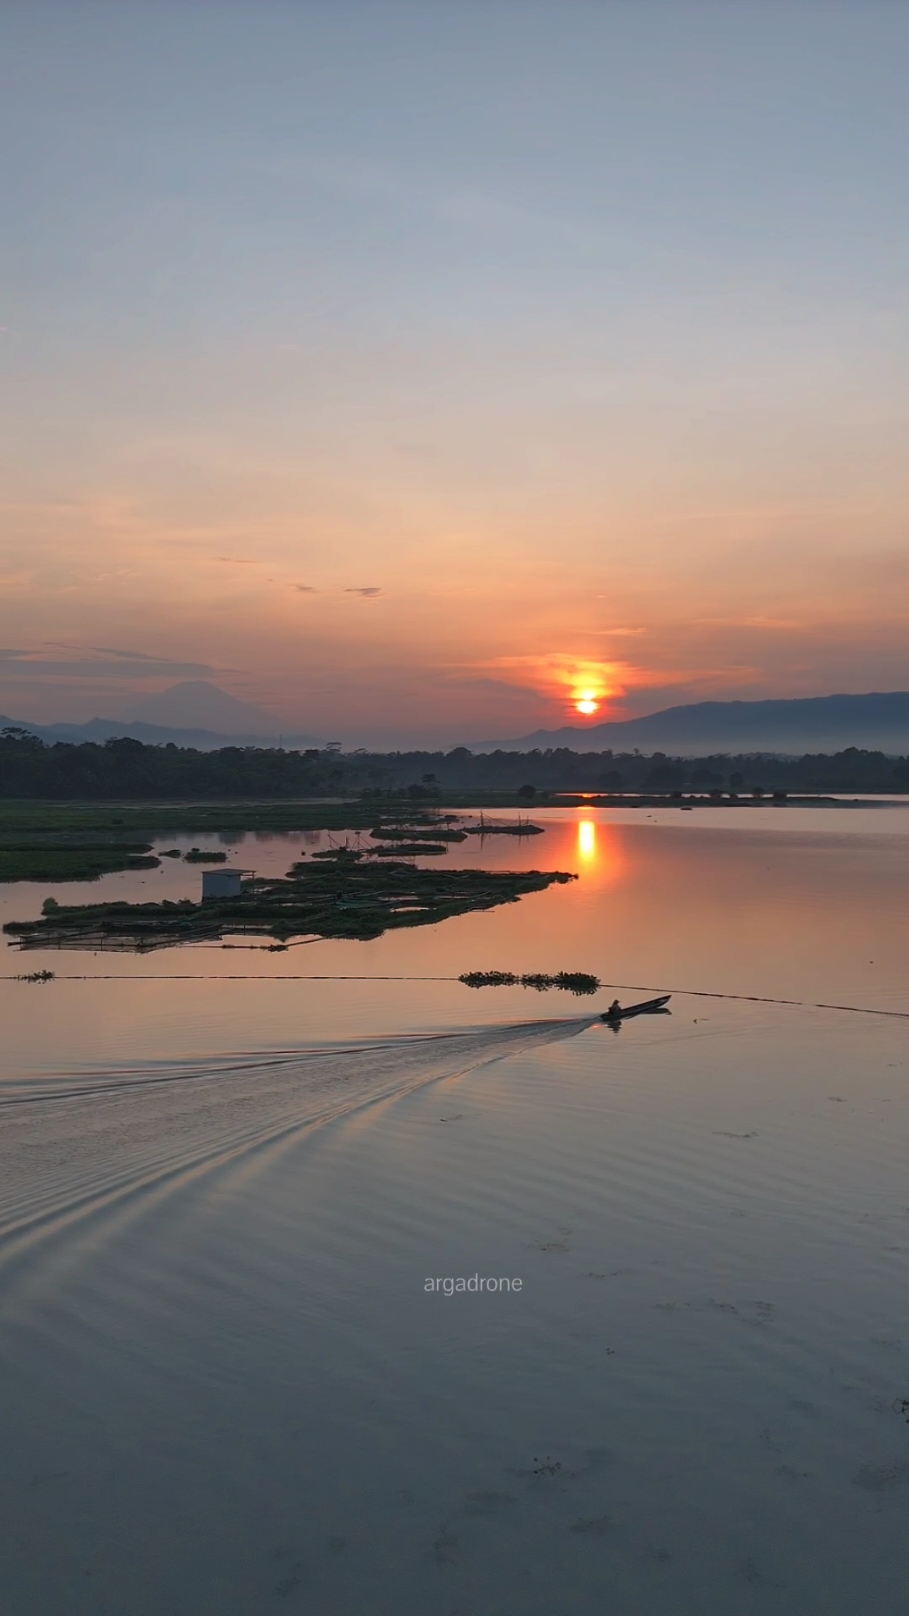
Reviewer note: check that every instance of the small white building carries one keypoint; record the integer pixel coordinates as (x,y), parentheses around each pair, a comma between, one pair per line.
(222,883)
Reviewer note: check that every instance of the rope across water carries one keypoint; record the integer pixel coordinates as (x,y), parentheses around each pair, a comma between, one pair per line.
(623,987)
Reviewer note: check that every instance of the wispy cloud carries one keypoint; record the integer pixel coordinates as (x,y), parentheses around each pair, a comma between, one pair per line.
(369,593)
(100,650)
(784,624)
(305,589)
(104,664)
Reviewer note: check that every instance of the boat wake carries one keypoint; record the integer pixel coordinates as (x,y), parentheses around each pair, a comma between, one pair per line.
(77,1146)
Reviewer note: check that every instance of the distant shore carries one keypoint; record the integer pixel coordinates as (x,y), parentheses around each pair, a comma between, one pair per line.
(126,820)
(80,841)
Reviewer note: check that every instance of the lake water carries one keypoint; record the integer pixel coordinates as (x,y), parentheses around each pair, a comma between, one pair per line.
(228,1174)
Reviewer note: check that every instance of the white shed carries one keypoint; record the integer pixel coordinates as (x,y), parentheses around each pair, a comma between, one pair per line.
(222,883)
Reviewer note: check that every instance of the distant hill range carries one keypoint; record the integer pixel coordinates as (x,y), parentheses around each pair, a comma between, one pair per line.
(877,722)
(198,714)
(194,713)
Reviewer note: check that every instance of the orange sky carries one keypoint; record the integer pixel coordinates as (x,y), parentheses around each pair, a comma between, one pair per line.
(409,424)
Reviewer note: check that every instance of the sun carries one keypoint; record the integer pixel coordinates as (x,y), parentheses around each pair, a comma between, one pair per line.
(587,702)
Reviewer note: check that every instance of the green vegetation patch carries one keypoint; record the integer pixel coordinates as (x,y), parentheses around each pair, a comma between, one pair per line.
(337,898)
(427,832)
(411,850)
(72,861)
(579,982)
(194,817)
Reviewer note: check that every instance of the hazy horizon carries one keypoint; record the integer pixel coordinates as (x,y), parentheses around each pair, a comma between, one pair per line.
(196,712)
(450,362)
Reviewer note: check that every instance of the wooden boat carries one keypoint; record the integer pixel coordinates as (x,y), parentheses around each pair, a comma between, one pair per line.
(649,1007)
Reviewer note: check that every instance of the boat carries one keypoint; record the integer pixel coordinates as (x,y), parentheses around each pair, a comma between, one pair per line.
(649,1007)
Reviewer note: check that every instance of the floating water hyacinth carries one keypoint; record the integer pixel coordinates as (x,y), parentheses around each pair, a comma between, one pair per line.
(579,982)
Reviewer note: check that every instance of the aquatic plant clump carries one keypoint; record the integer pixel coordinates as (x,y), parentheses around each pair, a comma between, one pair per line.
(71,861)
(490,979)
(579,982)
(410,850)
(335,898)
(416,833)
(520,827)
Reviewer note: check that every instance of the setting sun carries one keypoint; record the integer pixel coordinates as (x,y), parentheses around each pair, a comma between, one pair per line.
(587,702)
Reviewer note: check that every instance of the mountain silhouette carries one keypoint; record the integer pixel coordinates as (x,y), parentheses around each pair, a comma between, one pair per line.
(878,721)
(197,704)
(195,714)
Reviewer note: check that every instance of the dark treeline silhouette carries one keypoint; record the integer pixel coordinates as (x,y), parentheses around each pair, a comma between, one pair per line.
(125,769)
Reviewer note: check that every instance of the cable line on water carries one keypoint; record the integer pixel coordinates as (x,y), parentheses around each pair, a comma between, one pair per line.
(625,987)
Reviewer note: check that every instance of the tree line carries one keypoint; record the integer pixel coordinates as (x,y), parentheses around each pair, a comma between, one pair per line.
(125,768)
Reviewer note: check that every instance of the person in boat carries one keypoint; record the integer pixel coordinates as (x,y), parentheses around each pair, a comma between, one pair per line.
(615,1010)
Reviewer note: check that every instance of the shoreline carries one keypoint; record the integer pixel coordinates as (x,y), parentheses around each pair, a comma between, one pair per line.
(120,818)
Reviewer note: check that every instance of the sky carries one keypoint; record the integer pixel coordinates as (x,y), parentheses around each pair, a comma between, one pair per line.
(419,370)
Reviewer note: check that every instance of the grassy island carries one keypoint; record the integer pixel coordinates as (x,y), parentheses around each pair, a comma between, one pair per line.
(71,860)
(336,898)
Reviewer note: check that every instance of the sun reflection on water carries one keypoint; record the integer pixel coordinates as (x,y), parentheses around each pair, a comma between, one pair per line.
(587,841)
(599,852)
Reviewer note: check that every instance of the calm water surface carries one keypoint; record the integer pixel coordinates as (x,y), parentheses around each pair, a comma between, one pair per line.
(223,1383)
